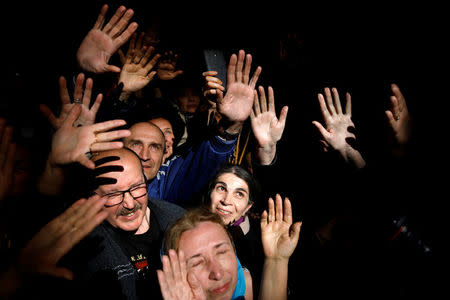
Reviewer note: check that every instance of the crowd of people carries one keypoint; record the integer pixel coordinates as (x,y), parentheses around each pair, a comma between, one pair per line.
(147,175)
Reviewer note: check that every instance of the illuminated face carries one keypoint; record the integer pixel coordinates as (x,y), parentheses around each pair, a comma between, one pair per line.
(167,129)
(147,141)
(230,198)
(129,214)
(211,258)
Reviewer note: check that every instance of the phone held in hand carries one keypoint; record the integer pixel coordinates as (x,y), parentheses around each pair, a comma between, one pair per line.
(214,60)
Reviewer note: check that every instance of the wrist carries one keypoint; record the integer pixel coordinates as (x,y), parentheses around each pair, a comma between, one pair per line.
(228,131)
(265,154)
(124,96)
(278,261)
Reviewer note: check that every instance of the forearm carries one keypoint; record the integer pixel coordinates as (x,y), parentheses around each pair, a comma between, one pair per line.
(354,157)
(229,127)
(265,155)
(274,279)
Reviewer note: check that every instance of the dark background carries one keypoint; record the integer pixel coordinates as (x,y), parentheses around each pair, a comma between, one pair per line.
(361,49)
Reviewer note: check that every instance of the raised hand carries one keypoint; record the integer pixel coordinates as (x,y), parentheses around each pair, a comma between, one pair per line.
(278,233)
(137,70)
(237,103)
(102,42)
(175,281)
(266,127)
(87,115)
(7,158)
(42,253)
(211,85)
(71,144)
(398,117)
(336,132)
(166,69)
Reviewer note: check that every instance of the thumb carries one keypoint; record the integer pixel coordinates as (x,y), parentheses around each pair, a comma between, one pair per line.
(321,129)
(219,96)
(73,116)
(295,230)
(283,116)
(111,68)
(47,112)
(196,288)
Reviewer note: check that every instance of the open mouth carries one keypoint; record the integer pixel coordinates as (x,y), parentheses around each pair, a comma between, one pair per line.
(222,211)
(129,215)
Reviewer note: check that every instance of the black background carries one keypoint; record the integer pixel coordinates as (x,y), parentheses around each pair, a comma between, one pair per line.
(360,48)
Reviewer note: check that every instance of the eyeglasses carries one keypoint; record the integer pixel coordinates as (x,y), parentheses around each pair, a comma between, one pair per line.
(116,198)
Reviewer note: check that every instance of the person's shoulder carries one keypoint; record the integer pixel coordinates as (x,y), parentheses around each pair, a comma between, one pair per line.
(165,208)
(165,212)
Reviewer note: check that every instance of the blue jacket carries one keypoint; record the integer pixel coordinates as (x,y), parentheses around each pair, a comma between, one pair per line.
(185,175)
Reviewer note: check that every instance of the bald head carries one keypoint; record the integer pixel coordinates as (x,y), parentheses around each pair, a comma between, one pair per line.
(148,142)
(121,179)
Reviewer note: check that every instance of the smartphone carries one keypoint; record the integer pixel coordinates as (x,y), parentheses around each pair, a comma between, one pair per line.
(214,60)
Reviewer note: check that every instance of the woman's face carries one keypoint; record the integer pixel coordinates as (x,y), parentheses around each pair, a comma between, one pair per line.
(211,258)
(230,198)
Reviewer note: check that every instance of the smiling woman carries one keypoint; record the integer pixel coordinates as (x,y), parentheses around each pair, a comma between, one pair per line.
(231,194)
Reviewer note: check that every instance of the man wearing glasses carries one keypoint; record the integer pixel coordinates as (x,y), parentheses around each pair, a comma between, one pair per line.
(123,252)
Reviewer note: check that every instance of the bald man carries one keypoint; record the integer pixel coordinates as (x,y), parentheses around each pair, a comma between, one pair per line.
(182,176)
(121,256)
(148,142)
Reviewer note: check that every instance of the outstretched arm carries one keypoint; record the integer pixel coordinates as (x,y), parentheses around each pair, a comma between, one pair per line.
(102,42)
(336,132)
(279,238)
(42,253)
(236,105)
(266,127)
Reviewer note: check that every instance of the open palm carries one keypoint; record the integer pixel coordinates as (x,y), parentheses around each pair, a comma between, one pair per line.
(266,127)
(279,236)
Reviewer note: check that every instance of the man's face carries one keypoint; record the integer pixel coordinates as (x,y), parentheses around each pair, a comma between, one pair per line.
(129,214)
(210,256)
(167,129)
(147,141)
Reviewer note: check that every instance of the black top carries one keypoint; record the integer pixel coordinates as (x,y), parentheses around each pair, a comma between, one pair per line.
(249,250)
(143,252)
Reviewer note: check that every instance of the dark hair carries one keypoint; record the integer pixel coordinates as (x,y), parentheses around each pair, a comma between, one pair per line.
(253,185)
